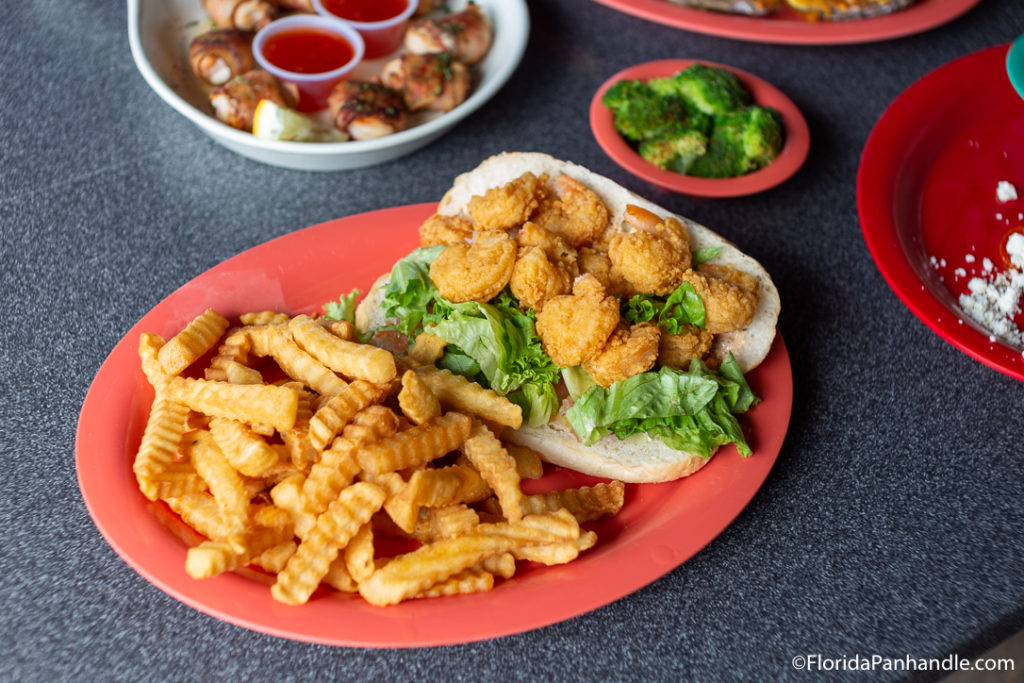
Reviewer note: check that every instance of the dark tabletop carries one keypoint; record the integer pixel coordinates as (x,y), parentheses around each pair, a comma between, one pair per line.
(890,525)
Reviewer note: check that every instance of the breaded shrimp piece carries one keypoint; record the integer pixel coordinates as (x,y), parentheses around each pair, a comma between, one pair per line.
(574,327)
(629,351)
(440,229)
(507,206)
(596,262)
(677,350)
(477,271)
(644,263)
(536,280)
(574,212)
(555,248)
(727,305)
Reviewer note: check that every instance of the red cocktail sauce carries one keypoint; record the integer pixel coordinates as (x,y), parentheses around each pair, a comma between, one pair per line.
(307,50)
(365,11)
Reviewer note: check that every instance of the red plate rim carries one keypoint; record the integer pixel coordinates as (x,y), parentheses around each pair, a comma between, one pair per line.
(659,540)
(790,159)
(922,16)
(882,161)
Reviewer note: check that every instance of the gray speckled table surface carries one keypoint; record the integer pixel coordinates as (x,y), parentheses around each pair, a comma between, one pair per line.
(890,525)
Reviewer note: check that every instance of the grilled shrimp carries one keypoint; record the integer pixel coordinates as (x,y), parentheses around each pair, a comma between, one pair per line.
(247,15)
(221,54)
(235,102)
(366,110)
(465,35)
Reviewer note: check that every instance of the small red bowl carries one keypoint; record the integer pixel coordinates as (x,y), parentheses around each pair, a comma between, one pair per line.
(792,156)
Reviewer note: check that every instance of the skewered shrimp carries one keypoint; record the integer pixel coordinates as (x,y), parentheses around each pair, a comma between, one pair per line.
(574,327)
(428,82)
(221,54)
(366,110)
(629,351)
(574,212)
(476,271)
(465,35)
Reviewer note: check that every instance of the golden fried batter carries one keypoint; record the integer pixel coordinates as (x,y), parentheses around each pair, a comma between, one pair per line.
(596,262)
(678,350)
(535,279)
(575,212)
(574,327)
(728,305)
(555,248)
(439,229)
(644,263)
(508,206)
(629,351)
(476,271)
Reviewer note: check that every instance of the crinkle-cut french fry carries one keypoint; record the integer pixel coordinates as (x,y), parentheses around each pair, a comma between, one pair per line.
(216,557)
(336,469)
(200,511)
(257,318)
(196,420)
(177,479)
(249,403)
(557,553)
(160,442)
(586,503)
(189,345)
(224,482)
(287,495)
(334,529)
(149,348)
(293,361)
(235,373)
(338,578)
(247,452)
(329,420)
(503,565)
(274,559)
(427,348)
(465,582)
(233,351)
(351,359)
(417,445)
(437,488)
(359,553)
(469,397)
(371,424)
(528,461)
(497,468)
(406,575)
(416,400)
(444,522)
(342,329)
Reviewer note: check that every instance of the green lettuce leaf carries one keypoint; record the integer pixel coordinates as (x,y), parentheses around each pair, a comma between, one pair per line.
(344,308)
(704,255)
(681,308)
(693,411)
(410,291)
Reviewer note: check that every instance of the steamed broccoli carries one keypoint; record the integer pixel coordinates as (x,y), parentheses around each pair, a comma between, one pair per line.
(675,152)
(742,141)
(710,89)
(641,114)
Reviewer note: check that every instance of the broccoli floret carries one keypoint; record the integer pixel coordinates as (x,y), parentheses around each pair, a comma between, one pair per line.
(741,142)
(710,89)
(675,152)
(639,113)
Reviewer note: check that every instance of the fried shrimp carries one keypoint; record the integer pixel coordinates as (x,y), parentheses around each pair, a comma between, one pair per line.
(574,212)
(629,351)
(643,263)
(507,206)
(574,327)
(678,350)
(477,271)
(555,248)
(536,279)
(596,262)
(728,305)
(440,229)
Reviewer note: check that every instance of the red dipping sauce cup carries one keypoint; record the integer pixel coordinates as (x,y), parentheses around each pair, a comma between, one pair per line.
(381,23)
(313,52)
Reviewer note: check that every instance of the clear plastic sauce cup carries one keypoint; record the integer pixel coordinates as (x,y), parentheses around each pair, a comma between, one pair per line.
(383,35)
(313,52)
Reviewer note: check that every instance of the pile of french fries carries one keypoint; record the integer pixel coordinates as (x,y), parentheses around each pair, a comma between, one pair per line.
(313,475)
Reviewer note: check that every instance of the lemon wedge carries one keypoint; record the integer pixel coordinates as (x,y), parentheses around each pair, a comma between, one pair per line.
(271,121)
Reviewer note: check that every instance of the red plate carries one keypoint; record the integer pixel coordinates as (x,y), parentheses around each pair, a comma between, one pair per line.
(660,526)
(926,189)
(788,27)
(792,156)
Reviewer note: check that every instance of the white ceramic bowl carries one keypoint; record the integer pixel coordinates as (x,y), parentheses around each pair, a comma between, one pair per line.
(160,31)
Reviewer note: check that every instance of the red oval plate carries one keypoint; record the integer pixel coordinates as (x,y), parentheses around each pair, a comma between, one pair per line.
(926,189)
(788,27)
(660,526)
(790,159)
